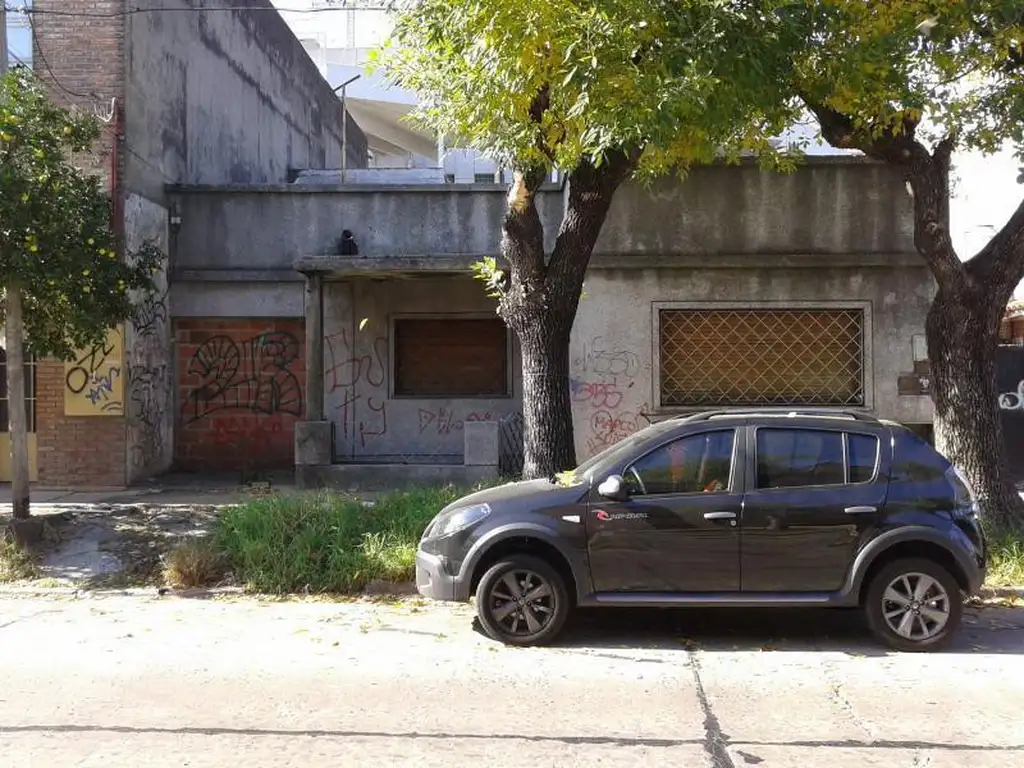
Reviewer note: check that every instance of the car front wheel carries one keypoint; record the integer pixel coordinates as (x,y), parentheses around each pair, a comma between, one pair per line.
(522,600)
(914,605)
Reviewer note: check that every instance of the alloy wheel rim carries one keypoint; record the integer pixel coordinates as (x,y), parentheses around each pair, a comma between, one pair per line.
(522,603)
(915,606)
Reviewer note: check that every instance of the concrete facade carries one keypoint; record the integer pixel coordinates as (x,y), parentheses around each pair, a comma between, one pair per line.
(187,96)
(837,234)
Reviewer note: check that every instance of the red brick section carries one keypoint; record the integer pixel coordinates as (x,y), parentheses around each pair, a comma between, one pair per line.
(241,388)
(74,451)
(81,59)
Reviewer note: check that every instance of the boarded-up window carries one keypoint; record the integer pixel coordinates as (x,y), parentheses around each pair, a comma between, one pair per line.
(451,357)
(762,357)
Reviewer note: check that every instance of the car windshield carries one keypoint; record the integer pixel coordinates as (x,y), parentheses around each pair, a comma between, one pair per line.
(584,472)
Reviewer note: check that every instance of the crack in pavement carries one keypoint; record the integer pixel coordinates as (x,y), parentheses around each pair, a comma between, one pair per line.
(715,742)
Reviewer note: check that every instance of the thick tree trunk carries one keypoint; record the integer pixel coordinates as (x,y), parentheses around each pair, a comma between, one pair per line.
(18,423)
(968,426)
(540,300)
(547,409)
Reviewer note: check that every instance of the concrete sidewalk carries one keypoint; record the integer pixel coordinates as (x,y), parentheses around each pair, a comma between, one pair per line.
(168,490)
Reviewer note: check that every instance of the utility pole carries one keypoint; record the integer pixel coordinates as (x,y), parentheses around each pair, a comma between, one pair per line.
(14,333)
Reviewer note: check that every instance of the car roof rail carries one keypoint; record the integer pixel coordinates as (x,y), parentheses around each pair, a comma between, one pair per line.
(780,411)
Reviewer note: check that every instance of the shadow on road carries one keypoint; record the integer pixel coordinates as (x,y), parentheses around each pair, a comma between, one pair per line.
(985,630)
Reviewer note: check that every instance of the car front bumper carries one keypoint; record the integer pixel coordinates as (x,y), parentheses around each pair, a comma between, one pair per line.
(432,578)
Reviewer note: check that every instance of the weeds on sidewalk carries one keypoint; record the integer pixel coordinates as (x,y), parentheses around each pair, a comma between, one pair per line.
(16,563)
(326,542)
(197,562)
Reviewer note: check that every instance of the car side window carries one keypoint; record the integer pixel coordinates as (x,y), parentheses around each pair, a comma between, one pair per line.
(694,464)
(862,454)
(791,458)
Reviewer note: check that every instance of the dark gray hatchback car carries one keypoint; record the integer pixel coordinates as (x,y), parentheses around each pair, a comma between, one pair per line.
(817,508)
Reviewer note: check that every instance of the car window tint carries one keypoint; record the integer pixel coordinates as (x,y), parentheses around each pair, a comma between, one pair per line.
(693,464)
(863,455)
(788,458)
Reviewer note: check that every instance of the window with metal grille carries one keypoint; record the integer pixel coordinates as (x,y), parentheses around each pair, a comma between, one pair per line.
(30,393)
(761,357)
(451,357)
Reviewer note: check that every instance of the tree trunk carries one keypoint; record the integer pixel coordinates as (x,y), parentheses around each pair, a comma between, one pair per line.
(968,425)
(18,424)
(547,409)
(540,300)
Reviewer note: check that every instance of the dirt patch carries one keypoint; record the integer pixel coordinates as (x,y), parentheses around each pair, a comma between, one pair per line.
(112,545)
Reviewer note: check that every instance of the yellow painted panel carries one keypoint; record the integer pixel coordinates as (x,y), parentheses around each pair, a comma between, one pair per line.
(94,382)
(5,457)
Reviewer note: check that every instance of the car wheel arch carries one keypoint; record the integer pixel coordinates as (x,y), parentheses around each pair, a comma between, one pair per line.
(898,544)
(533,540)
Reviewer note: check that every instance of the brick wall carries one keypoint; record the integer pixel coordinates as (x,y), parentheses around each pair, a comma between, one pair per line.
(74,451)
(241,388)
(81,59)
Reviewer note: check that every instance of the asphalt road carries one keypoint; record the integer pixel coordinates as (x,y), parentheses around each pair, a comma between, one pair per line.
(140,681)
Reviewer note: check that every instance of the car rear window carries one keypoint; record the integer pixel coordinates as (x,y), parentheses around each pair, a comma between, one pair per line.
(863,456)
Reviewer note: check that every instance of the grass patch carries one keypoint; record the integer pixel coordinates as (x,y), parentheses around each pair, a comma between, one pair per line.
(1006,560)
(197,562)
(16,563)
(326,542)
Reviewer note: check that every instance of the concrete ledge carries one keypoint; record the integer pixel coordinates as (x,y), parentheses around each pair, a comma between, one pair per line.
(313,443)
(391,477)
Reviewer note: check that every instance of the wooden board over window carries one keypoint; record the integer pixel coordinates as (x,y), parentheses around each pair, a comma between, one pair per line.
(762,357)
(451,357)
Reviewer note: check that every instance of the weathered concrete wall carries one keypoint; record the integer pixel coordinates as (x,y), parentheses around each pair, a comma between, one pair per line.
(225,97)
(827,209)
(369,422)
(614,348)
(149,395)
(269,229)
(1010,378)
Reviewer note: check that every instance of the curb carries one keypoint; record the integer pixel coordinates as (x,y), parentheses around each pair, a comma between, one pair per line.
(373,591)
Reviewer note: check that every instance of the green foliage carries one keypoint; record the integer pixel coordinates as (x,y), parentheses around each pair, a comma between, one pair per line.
(16,562)
(956,65)
(540,84)
(1005,559)
(326,542)
(55,237)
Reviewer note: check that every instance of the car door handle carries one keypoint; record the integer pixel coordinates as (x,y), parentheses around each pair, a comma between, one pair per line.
(719,515)
(865,510)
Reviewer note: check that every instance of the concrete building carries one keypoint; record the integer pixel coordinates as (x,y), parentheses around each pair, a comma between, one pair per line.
(735,287)
(187,96)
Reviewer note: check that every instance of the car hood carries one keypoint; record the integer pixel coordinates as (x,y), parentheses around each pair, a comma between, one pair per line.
(543,491)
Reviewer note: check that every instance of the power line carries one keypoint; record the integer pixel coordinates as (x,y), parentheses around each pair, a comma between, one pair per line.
(53,75)
(340,5)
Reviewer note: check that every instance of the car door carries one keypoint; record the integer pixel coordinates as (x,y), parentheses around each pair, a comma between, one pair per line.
(675,527)
(813,494)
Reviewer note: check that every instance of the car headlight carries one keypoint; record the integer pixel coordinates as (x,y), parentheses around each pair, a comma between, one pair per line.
(458,519)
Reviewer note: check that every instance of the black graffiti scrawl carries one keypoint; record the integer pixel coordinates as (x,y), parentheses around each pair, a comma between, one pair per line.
(249,375)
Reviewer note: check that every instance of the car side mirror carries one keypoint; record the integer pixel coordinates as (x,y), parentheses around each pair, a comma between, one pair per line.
(614,488)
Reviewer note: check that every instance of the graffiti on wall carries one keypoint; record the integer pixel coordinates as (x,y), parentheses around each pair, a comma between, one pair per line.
(147,411)
(93,381)
(444,421)
(602,382)
(254,374)
(345,369)
(1013,401)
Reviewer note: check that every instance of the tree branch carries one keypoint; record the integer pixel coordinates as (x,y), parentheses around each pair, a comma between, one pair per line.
(591,189)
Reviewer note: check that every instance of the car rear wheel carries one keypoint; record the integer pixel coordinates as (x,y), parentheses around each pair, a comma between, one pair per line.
(522,600)
(914,605)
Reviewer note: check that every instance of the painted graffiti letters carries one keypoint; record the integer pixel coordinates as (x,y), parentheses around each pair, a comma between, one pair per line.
(603,362)
(442,421)
(254,374)
(1013,401)
(608,428)
(379,421)
(344,369)
(599,394)
(93,382)
(151,314)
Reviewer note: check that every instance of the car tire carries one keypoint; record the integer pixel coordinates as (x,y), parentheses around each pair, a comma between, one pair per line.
(531,622)
(898,616)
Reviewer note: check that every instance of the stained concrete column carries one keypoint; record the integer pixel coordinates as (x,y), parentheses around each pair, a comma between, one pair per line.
(314,437)
(314,347)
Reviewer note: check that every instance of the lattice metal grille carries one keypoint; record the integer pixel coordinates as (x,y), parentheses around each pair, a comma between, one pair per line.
(762,357)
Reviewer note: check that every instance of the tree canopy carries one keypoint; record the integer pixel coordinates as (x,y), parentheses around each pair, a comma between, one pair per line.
(538,84)
(56,241)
